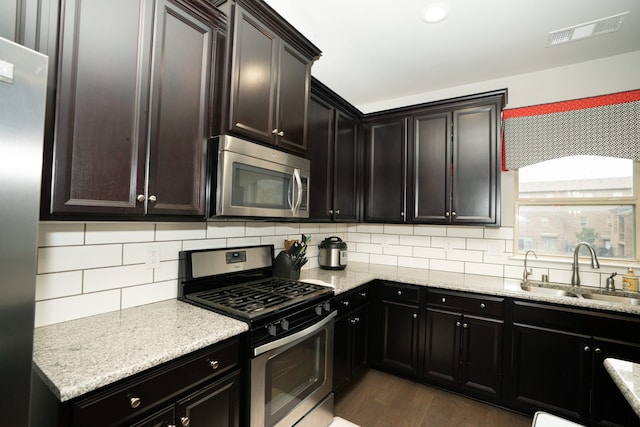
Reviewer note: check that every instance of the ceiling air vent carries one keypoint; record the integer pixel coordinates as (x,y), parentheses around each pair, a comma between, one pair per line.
(583,31)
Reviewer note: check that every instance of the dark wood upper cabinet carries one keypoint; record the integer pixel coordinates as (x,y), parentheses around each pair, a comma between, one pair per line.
(386,170)
(270,74)
(134,108)
(333,147)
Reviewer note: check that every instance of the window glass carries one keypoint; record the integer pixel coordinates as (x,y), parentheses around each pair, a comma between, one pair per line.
(577,199)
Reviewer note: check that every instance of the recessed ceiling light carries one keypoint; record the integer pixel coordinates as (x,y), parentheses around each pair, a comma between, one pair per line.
(434,13)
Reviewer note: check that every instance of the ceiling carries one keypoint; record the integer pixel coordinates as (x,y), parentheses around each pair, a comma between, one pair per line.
(375,50)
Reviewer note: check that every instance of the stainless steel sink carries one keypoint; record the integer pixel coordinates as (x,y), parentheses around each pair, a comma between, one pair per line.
(618,299)
(552,292)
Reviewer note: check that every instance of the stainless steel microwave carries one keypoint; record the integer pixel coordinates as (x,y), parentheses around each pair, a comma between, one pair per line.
(257,181)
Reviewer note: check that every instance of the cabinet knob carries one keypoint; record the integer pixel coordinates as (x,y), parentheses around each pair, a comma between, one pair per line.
(453,213)
(586,348)
(214,364)
(363,294)
(331,211)
(140,198)
(458,324)
(415,315)
(185,421)
(597,350)
(345,303)
(281,133)
(444,299)
(464,325)
(337,211)
(135,402)
(446,214)
(153,198)
(399,292)
(482,305)
(402,214)
(275,131)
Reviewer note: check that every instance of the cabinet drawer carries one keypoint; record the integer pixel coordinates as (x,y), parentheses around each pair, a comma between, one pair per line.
(399,292)
(132,398)
(349,302)
(467,303)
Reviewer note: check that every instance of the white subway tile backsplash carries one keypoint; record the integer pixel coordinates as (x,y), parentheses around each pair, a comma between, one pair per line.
(147,294)
(359,237)
(190,245)
(383,259)
(504,233)
(167,271)
(359,257)
(244,241)
(484,269)
(369,248)
(57,285)
(180,231)
(370,228)
(468,256)
(449,243)
(60,234)
(287,228)
(424,241)
(385,239)
(398,229)
(397,250)
(101,279)
(218,230)
(436,253)
(407,261)
(67,258)
(74,307)
(465,232)
(446,265)
(430,230)
(260,229)
(136,253)
(101,233)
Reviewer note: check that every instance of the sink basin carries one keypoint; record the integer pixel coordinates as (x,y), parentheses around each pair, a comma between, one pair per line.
(552,292)
(618,299)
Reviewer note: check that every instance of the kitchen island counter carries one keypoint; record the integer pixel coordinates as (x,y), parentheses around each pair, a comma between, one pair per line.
(79,356)
(626,375)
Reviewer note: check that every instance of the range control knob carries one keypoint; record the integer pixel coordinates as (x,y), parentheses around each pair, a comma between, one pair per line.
(327,306)
(285,324)
(318,310)
(272,329)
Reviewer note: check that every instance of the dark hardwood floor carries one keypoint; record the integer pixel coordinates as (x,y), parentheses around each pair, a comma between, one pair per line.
(383,400)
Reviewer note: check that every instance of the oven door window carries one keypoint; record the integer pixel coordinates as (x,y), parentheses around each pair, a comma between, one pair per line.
(293,375)
(256,187)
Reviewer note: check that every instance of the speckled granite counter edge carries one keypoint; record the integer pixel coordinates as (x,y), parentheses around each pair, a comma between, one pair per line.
(79,356)
(357,274)
(626,375)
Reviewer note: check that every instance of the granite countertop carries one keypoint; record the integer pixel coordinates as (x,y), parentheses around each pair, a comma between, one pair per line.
(626,375)
(79,356)
(356,274)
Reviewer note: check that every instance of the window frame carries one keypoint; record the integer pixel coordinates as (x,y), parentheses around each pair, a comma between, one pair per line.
(588,201)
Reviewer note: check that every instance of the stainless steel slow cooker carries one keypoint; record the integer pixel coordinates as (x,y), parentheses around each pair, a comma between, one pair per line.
(332,254)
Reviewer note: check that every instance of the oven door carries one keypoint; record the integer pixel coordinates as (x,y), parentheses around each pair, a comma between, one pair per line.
(291,376)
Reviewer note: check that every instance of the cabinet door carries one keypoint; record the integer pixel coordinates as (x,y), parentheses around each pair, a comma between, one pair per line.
(431,165)
(442,346)
(181,76)
(254,81)
(475,192)
(481,360)
(320,148)
(342,352)
(551,371)
(345,168)
(100,138)
(400,337)
(360,341)
(294,73)
(386,187)
(216,405)
(608,406)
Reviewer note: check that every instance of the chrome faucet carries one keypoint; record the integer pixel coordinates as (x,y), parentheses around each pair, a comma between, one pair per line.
(527,272)
(575,277)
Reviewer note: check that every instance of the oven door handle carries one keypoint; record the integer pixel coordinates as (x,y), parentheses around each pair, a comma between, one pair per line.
(294,337)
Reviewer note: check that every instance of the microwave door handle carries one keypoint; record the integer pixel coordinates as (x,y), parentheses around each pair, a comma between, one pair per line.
(296,177)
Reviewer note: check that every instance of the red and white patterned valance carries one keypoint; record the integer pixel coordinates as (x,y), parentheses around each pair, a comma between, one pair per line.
(607,125)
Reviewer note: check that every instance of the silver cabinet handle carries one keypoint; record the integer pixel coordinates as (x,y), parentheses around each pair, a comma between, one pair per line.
(586,348)
(464,325)
(214,364)
(345,303)
(140,198)
(597,350)
(153,198)
(338,212)
(275,131)
(482,305)
(281,133)
(415,315)
(363,294)
(399,292)
(444,299)
(453,213)
(135,402)
(446,214)
(458,324)
(331,211)
(402,214)
(185,421)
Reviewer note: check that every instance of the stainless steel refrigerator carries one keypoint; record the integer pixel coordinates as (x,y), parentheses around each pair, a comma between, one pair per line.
(23,82)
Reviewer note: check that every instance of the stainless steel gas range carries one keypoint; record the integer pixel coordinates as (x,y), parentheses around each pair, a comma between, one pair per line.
(290,338)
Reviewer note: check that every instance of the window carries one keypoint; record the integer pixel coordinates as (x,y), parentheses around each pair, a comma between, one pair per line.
(579,198)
